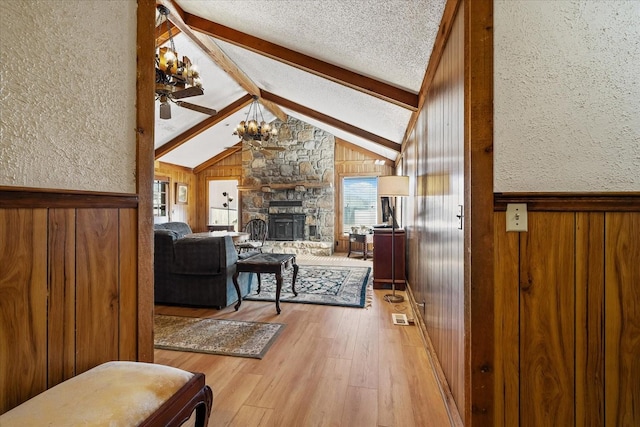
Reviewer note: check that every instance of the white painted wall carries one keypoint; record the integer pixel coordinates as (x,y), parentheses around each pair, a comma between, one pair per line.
(567,96)
(67,94)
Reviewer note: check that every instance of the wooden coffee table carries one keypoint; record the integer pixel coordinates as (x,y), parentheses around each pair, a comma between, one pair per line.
(267,263)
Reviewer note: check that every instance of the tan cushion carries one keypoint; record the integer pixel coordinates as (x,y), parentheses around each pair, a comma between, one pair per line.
(112,394)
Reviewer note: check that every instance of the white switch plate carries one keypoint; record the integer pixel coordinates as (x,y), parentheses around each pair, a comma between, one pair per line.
(517,217)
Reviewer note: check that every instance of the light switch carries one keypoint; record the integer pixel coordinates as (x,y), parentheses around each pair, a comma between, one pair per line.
(516,217)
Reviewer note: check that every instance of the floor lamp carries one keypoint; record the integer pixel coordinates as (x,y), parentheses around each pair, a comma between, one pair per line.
(227,205)
(393,186)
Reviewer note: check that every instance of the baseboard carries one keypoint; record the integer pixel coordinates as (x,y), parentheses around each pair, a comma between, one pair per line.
(443,385)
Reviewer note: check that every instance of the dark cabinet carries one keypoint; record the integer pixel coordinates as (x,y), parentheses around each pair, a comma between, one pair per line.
(382,258)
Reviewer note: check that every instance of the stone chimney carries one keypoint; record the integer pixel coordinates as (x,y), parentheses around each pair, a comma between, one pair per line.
(303,173)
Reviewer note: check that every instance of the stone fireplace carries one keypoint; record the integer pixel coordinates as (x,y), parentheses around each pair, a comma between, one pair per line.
(292,190)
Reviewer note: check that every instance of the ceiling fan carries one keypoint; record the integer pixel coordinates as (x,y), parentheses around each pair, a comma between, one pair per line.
(175,79)
(166,93)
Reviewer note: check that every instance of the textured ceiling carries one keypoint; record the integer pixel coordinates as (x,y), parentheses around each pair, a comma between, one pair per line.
(389,41)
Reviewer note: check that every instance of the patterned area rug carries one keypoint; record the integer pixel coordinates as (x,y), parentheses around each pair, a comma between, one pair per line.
(343,286)
(215,336)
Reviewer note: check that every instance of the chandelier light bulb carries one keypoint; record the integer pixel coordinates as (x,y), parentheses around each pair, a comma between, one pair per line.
(240,128)
(169,56)
(252,127)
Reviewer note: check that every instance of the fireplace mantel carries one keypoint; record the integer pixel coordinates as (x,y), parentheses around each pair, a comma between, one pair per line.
(287,186)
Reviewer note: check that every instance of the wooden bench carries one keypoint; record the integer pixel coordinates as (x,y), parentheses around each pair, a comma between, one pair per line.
(119,394)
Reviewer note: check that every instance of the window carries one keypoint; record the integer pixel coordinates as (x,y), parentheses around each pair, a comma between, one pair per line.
(359,202)
(160,198)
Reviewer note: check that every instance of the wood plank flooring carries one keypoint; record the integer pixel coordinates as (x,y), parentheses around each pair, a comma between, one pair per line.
(331,366)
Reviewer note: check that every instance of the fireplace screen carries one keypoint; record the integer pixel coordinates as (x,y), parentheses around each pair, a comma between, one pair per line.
(286,226)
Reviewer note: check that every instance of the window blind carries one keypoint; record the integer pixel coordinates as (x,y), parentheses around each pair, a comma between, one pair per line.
(359,202)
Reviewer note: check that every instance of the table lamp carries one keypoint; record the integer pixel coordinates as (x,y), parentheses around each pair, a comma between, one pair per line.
(393,186)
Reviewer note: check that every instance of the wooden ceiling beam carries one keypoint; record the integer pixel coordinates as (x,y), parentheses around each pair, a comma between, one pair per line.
(202,126)
(217,158)
(162,34)
(331,121)
(176,16)
(368,85)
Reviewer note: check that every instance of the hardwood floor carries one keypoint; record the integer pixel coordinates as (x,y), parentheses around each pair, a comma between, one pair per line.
(333,366)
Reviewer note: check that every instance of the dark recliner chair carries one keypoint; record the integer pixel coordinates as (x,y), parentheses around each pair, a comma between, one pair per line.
(195,271)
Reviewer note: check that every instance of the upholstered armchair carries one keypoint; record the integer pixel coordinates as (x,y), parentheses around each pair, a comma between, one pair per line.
(195,271)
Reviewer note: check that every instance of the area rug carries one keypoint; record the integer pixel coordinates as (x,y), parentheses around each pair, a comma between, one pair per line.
(343,286)
(215,336)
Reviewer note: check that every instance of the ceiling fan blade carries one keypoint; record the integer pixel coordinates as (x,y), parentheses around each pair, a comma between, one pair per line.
(253,144)
(258,146)
(185,93)
(198,108)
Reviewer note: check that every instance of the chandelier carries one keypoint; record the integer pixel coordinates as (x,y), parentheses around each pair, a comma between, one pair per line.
(175,78)
(250,129)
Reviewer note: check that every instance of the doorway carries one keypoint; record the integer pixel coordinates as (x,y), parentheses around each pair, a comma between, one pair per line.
(223,204)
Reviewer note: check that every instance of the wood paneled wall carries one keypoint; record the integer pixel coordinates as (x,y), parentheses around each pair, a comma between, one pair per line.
(351,160)
(68,286)
(174,174)
(567,330)
(448,155)
(435,157)
(228,168)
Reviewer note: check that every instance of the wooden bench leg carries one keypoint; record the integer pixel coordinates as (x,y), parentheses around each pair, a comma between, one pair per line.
(195,395)
(203,410)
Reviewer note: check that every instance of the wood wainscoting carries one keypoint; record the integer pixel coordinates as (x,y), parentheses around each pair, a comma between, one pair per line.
(68,286)
(567,311)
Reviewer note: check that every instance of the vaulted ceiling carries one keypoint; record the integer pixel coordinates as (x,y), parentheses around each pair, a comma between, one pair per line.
(352,68)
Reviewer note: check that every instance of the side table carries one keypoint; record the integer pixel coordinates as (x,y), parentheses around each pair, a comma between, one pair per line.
(267,263)
(362,241)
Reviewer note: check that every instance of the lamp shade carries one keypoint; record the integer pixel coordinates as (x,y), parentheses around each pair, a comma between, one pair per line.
(393,185)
